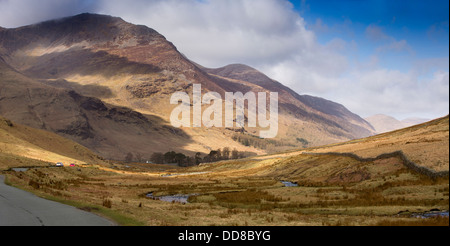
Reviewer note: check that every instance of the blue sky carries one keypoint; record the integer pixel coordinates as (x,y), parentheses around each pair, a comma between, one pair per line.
(419,28)
(372,56)
(424,25)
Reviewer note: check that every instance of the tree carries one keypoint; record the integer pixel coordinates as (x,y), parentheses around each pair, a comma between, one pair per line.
(180,159)
(213,155)
(235,154)
(226,153)
(138,157)
(219,155)
(207,159)
(190,161)
(129,157)
(169,157)
(198,158)
(157,158)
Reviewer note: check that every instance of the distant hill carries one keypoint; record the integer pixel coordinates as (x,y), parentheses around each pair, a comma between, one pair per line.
(384,123)
(414,121)
(106,84)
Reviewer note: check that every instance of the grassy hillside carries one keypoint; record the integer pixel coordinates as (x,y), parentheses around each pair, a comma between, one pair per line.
(25,146)
(426,144)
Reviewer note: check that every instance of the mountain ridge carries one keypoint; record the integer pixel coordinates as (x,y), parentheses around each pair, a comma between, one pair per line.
(246,73)
(132,66)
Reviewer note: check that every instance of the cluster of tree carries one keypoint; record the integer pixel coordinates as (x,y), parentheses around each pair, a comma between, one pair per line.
(185,161)
(223,154)
(130,157)
(174,157)
(260,143)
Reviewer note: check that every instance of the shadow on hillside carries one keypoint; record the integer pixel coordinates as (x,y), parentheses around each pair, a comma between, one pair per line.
(87,63)
(89,90)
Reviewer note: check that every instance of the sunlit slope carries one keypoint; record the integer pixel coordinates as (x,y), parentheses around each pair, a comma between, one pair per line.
(425,145)
(25,146)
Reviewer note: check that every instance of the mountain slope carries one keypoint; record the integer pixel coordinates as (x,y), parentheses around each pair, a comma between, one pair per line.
(426,144)
(25,146)
(324,110)
(113,64)
(108,130)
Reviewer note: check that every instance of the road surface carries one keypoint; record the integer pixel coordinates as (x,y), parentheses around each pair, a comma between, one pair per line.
(21,208)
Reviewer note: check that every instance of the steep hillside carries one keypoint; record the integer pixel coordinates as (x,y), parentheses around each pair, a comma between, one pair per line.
(25,146)
(303,107)
(426,144)
(105,64)
(108,130)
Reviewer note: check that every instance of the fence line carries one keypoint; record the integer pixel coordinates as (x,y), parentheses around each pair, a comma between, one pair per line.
(408,163)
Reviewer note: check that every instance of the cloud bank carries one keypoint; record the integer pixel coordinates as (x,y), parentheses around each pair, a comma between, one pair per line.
(272,36)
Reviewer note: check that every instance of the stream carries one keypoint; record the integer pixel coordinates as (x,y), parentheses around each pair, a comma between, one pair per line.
(173,198)
(289,184)
(431,214)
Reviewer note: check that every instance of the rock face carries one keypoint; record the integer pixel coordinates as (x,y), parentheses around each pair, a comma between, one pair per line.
(106,84)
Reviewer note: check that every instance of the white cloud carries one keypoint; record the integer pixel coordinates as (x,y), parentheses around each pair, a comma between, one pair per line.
(396,46)
(394,93)
(375,33)
(390,44)
(215,32)
(15,13)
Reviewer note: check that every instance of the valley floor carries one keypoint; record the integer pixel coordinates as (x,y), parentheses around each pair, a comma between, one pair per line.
(399,178)
(331,191)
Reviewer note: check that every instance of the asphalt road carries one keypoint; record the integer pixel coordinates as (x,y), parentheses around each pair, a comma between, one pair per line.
(21,208)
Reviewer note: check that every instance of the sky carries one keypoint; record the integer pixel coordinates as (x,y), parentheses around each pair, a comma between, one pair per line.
(373,56)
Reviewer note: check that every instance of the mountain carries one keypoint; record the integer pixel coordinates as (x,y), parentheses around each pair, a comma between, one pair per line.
(384,123)
(105,129)
(106,84)
(337,120)
(414,121)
